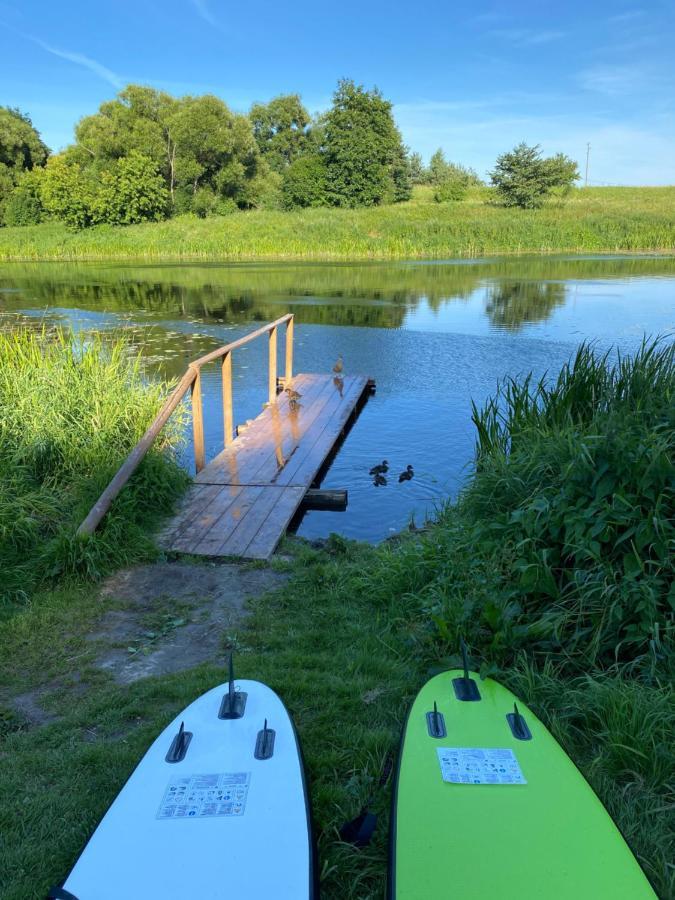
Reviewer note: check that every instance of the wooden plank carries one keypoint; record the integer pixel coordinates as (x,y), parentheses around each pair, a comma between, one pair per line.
(246,530)
(256,451)
(265,541)
(334,416)
(200,526)
(196,499)
(231,518)
(256,485)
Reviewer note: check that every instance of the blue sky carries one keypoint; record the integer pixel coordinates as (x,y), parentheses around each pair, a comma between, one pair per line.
(474,78)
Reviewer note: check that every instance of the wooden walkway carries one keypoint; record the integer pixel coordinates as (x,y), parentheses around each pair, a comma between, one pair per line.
(242,502)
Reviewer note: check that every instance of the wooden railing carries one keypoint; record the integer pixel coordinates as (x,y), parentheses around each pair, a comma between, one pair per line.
(192,381)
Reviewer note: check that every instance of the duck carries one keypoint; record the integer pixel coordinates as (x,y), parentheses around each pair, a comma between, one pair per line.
(382,469)
(339,365)
(407,474)
(292,395)
(379,480)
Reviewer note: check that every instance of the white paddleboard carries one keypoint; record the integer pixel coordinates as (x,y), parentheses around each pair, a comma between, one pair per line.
(230,819)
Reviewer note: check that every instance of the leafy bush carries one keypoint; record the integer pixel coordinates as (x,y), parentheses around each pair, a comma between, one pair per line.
(132,190)
(24,204)
(305,182)
(70,411)
(451,189)
(524,178)
(68,193)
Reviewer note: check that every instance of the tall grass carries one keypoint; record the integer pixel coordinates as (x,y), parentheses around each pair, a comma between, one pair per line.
(70,410)
(593,220)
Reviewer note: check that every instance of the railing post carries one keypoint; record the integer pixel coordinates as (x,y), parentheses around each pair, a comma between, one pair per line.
(198,422)
(273,365)
(227,398)
(288,375)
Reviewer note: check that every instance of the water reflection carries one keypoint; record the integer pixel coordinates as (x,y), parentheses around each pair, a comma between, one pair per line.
(434,336)
(510,304)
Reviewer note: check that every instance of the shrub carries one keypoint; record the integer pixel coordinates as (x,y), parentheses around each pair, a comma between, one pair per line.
(132,190)
(67,193)
(524,178)
(305,182)
(451,189)
(24,205)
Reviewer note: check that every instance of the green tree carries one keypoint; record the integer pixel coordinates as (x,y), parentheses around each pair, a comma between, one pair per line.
(416,169)
(280,128)
(195,142)
(363,150)
(522,177)
(305,182)
(68,192)
(131,191)
(21,150)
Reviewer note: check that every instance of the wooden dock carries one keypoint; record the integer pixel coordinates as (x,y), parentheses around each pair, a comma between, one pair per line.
(242,502)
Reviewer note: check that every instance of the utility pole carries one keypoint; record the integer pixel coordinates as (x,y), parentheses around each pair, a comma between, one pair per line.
(588,153)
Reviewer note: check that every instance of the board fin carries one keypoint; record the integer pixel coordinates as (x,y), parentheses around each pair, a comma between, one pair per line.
(233,703)
(436,723)
(465,688)
(264,745)
(179,745)
(518,725)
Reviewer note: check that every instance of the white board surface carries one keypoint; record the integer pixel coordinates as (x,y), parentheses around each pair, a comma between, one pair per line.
(218,824)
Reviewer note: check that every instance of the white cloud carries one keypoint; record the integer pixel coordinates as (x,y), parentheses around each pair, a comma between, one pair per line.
(81,60)
(615,81)
(526,37)
(204,12)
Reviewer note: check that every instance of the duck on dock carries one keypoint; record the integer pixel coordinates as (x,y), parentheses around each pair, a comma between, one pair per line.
(380,469)
(379,480)
(293,397)
(339,365)
(407,474)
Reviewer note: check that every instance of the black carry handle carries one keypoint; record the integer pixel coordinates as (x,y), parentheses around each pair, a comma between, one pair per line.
(359,831)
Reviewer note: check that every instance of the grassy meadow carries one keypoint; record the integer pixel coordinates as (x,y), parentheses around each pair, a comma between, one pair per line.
(590,220)
(556,566)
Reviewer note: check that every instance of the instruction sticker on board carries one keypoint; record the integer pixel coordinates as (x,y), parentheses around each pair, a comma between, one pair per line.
(204,796)
(477,765)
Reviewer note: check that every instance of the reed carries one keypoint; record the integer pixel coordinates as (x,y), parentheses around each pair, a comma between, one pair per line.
(597,220)
(70,410)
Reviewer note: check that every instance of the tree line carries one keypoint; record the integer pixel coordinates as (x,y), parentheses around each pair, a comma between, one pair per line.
(147,155)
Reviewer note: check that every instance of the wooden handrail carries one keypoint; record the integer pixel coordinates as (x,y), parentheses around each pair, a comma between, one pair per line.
(191,380)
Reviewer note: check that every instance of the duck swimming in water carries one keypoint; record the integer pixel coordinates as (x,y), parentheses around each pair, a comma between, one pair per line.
(382,469)
(407,474)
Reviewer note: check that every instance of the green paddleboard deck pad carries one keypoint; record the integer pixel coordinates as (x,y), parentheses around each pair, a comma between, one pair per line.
(488,806)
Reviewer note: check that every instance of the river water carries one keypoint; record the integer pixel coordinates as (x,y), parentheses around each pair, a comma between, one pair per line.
(434,336)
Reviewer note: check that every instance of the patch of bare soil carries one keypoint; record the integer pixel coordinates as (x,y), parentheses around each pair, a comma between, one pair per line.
(170,616)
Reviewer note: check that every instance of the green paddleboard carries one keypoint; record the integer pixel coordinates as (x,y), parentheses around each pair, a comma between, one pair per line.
(487,807)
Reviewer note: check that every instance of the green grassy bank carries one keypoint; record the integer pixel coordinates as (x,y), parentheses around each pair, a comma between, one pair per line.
(556,566)
(70,411)
(596,220)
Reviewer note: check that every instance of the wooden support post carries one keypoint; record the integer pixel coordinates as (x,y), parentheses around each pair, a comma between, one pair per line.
(198,422)
(273,365)
(227,398)
(288,374)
